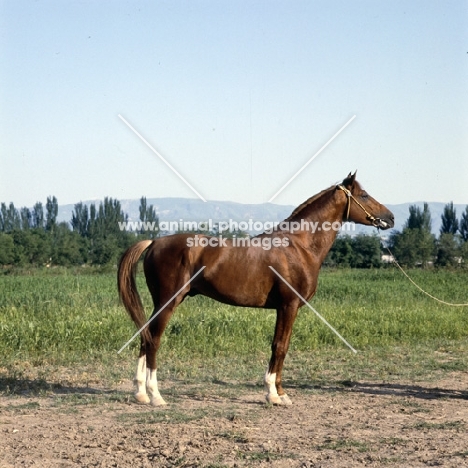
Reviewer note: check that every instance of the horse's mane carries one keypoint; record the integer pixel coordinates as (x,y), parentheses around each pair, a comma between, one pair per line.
(308,202)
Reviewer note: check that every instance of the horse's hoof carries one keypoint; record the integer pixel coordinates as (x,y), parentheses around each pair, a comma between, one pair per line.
(277,400)
(158,401)
(142,398)
(273,399)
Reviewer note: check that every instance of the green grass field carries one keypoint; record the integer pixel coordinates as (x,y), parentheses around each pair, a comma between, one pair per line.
(72,318)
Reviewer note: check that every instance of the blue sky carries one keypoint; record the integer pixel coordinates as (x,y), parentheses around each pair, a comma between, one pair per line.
(236,95)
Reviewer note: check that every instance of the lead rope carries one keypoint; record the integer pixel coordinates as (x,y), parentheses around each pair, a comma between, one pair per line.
(373,220)
(419,287)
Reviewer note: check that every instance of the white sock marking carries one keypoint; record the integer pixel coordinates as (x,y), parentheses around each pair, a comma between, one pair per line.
(140,377)
(152,386)
(270,384)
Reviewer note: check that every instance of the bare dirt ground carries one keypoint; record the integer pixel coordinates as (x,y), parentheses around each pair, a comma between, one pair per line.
(227,424)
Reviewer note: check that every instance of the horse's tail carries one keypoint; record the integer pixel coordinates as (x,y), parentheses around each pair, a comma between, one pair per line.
(127,285)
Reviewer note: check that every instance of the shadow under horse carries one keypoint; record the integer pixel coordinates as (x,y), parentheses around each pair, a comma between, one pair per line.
(242,275)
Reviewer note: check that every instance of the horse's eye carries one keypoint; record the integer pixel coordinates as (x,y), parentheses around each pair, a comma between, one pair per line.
(365,196)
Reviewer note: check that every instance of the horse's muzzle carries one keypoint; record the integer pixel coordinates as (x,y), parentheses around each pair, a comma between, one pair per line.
(386,222)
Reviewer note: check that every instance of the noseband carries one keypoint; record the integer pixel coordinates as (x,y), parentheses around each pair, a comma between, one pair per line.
(375,221)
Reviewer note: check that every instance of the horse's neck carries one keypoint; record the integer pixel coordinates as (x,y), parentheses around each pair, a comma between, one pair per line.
(322,209)
(322,217)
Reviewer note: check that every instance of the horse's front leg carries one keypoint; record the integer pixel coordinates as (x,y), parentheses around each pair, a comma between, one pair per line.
(284,322)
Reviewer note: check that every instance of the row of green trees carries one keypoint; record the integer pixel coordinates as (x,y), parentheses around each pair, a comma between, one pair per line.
(361,251)
(416,245)
(95,236)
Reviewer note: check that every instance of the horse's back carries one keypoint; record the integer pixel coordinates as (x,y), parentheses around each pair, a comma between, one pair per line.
(234,275)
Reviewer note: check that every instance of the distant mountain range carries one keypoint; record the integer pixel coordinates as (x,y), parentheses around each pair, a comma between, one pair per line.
(188,209)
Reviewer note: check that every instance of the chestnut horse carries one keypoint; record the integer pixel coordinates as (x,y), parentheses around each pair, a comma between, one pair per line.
(240,275)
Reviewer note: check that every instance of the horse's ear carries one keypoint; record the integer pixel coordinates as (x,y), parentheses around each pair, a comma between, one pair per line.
(349,181)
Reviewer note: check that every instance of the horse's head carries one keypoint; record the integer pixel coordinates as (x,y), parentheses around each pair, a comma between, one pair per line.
(361,208)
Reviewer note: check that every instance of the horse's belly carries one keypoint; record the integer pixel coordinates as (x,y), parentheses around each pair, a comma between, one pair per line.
(236,288)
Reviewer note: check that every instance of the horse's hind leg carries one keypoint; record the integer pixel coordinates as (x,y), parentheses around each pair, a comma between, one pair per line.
(146,378)
(140,377)
(157,327)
